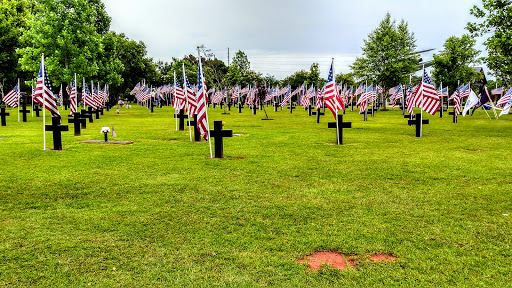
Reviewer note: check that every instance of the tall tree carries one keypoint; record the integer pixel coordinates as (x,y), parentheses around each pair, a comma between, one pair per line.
(496,24)
(241,62)
(296,79)
(452,64)
(314,76)
(13,21)
(69,33)
(388,54)
(346,79)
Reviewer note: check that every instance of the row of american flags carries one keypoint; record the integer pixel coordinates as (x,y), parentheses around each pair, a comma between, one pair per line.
(43,94)
(332,95)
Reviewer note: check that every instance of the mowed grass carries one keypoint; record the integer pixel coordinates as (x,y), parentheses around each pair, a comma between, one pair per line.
(160,212)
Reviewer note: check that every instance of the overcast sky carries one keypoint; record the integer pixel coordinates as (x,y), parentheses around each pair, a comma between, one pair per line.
(282,36)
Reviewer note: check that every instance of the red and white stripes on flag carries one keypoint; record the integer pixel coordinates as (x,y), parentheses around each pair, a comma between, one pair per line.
(72,98)
(44,89)
(504,100)
(362,102)
(12,97)
(202,118)
(456,102)
(179,96)
(190,96)
(426,98)
(61,96)
(332,98)
(287,97)
(409,101)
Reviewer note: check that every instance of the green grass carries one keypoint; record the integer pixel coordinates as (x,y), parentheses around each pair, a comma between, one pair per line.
(161,213)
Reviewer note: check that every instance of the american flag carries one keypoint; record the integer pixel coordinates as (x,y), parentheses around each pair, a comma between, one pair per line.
(505,98)
(397,95)
(202,119)
(44,89)
(135,89)
(464,91)
(497,91)
(363,100)
(13,96)
(305,101)
(72,99)
(360,89)
(442,92)
(410,99)
(456,102)
(217,97)
(245,90)
(86,96)
(61,96)
(379,89)
(287,97)
(235,92)
(179,96)
(426,97)
(506,109)
(189,95)
(332,98)
(320,98)
(270,94)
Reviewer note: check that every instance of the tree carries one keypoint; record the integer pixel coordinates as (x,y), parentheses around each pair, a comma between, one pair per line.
(388,55)
(346,79)
(296,79)
(314,76)
(70,34)
(452,64)
(497,22)
(13,21)
(241,62)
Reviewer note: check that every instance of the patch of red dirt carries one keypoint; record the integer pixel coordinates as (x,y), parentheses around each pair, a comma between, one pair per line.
(316,260)
(383,257)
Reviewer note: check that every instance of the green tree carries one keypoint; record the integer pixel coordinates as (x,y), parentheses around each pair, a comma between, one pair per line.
(346,79)
(241,62)
(296,79)
(388,55)
(314,76)
(452,64)
(496,24)
(70,34)
(13,21)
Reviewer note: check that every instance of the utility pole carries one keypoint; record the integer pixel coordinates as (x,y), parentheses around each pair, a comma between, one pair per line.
(228,56)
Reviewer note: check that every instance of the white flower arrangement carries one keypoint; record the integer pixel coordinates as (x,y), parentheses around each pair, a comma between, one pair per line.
(105,130)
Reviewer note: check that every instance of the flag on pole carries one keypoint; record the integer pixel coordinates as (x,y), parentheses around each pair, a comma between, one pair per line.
(505,99)
(497,91)
(456,102)
(72,98)
(202,119)
(426,98)
(61,96)
(44,89)
(190,96)
(12,97)
(506,109)
(409,99)
(332,98)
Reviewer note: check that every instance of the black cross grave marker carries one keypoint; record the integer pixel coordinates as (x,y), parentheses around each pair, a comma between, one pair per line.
(182,118)
(2,115)
(87,115)
(341,125)
(37,109)
(78,122)
(254,109)
(229,106)
(218,134)
(56,128)
(240,106)
(454,116)
(24,111)
(276,104)
(97,112)
(101,111)
(66,105)
(291,107)
(221,104)
(193,123)
(419,122)
(310,108)
(318,113)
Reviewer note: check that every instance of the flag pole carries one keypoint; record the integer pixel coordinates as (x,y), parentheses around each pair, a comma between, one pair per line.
(185,89)
(422,103)
(32,96)
(83,87)
(412,95)
(205,106)
(441,96)
(175,109)
(44,104)
(19,101)
(336,90)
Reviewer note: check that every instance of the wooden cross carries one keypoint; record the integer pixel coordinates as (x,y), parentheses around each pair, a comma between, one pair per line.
(454,116)
(318,113)
(56,128)
(24,111)
(37,109)
(182,118)
(341,125)
(275,106)
(218,134)
(97,112)
(87,115)
(197,136)
(78,122)
(291,107)
(2,115)
(418,121)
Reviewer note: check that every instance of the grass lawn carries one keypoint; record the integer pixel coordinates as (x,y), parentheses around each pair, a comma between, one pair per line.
(160,212)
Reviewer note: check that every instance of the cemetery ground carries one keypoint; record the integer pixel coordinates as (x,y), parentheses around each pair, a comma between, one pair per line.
(160,212)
